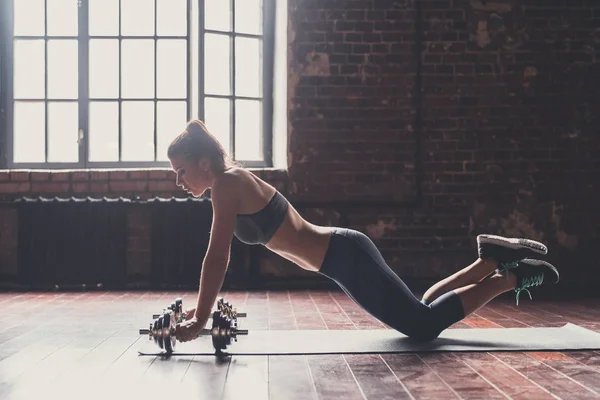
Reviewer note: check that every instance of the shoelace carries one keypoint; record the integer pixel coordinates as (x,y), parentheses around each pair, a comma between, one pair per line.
(529,281)
(506,266)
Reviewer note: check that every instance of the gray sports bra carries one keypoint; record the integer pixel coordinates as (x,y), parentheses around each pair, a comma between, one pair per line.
(259,227)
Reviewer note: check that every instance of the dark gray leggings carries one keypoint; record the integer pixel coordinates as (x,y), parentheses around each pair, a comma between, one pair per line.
(356,265)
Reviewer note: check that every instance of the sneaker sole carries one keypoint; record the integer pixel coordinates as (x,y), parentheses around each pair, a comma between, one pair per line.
(513,243)
(538,263)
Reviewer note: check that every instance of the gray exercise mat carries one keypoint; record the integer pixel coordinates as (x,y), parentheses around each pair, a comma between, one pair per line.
(295,342)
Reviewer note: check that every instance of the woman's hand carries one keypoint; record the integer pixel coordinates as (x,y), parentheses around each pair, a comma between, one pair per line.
(189,314)
(188,330)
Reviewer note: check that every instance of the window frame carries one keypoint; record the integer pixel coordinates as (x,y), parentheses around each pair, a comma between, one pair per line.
(83,101)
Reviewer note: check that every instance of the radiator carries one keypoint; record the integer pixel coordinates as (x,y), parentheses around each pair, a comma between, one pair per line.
(71,242)
(180,238)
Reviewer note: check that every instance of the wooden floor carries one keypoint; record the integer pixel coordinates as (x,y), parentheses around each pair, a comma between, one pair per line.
(84,345)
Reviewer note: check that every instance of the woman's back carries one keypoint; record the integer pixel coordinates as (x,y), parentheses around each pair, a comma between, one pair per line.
(293,238)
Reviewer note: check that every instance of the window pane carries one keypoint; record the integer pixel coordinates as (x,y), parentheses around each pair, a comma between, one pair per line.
(171,17)
(62,69)
(218,119)
(217,15)
(137,123)
(103,17)
(248,67)
(171,68)
(29,69)
(104,131)
(248,130)
(104,68)
(29,135)
(217,64)
(63,131)
(29,17)
(62,17)
(137,68)
(248,16)
(171,119)
(137,17)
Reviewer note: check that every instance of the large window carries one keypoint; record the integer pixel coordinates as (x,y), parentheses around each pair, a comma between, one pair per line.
(109,83)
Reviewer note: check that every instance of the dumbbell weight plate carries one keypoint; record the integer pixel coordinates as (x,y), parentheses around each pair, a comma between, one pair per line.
(219,339)
(169,340)
(155,332)
(159,332)
(178,309)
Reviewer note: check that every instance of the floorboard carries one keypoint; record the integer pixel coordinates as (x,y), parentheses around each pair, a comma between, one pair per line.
(84,345)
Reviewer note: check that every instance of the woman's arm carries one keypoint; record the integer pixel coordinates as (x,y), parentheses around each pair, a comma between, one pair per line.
(225,204)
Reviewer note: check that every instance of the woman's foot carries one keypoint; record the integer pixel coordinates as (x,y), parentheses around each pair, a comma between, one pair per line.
(507,251)
(530,272)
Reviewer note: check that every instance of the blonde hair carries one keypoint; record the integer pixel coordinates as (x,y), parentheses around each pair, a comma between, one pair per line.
(196,142)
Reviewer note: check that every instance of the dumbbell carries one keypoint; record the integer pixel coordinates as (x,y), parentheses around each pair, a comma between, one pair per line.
(228,308)
(177,308)
(180,315)
(162,331)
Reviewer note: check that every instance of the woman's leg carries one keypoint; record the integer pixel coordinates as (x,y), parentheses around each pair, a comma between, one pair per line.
(357,266)
(525,274)
(477,295)
(494,252)
(474,273)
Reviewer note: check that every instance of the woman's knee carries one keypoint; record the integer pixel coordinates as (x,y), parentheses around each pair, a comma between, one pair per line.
(425,327)
(424,334)
(424,331)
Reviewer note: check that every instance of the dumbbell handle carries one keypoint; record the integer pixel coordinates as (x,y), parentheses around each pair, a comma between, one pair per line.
(240,314)
(203,332)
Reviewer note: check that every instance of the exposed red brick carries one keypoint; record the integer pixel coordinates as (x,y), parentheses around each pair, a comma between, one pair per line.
(161,174)
(60,176)
(4,175)
(99,187)
(19,175)
(40,176)
(128,186)
(14,187)
(138,175)
(80,176)
(50,187)
(118,175)
(162,186)
(80,187)
(99,175)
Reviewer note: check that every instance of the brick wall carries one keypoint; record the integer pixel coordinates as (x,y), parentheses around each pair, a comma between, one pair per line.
(504,116)
(424,127)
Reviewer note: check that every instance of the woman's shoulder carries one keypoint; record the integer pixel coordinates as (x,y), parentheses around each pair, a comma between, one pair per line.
(227,180)
(234,181)
(243,185)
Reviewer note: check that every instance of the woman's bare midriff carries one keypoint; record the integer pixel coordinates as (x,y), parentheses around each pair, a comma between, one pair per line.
(301,242)
(296,240)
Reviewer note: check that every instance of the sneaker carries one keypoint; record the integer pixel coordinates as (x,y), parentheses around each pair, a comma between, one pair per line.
(507,251)
(531,272)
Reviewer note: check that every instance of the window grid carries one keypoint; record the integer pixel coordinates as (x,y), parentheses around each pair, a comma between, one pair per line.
(85,100)
(12,100)
(266,38)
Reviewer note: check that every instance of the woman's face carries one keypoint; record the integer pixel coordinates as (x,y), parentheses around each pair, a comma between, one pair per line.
(193,177)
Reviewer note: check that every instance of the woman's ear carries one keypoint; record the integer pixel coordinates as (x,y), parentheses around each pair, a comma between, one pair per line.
(204,164)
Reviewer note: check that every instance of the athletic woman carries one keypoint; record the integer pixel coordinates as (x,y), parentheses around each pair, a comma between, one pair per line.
(256,213)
